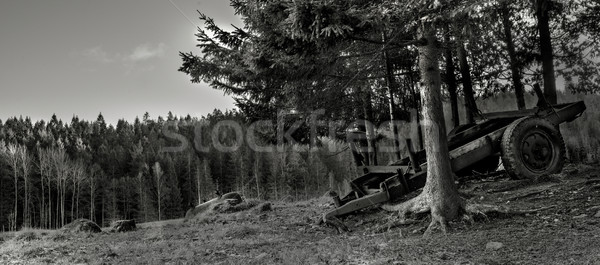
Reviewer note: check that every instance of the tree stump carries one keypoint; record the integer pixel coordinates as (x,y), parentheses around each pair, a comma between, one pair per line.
(123,226)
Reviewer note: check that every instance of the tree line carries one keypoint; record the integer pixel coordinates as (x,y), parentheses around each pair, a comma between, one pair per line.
(54,172)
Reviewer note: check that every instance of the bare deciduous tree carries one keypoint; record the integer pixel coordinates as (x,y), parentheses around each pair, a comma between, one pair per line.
(13,160)
(26,167)
(159,180)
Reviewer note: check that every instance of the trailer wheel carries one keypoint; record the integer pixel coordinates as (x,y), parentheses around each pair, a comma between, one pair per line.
(532,147)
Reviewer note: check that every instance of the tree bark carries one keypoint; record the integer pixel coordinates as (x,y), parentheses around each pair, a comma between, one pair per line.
(547,56)
(451,81)
(392,87)
(198,181)
(465,70)
(74,180)
(370,131)
(440,195)
(256,174)
(514,65)
(43,202)
(13,153)
(49,202)
(158,174)
(92,199)
(26,167)
(16,193)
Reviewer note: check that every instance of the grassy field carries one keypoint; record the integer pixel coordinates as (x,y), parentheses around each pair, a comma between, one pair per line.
(566,232)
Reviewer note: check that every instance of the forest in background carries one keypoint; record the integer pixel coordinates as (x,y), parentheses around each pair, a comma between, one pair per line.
(54,172)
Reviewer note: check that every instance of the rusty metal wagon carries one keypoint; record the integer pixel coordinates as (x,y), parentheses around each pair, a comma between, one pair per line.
(528,142)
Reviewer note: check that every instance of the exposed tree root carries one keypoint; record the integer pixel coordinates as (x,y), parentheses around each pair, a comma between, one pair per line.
(420,205)
(528,194)
(465,211)
(416,205)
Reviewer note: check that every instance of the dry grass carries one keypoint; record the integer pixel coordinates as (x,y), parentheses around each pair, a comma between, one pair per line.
(287,234)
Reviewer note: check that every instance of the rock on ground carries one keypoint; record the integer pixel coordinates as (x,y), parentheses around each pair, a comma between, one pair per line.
(494,245)
(223,201)
(581,216)
(81,225)
(123,226)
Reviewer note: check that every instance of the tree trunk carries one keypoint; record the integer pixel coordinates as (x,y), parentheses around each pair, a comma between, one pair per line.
(514,65)
(43,203)
(256,174)
(370,131)
(465,70)
(16,191)
(159,203)
(63,194)
(198,186)
(392,87)
(73,195)
(102,213)
(49,204)
(440,195)
(158,174)
(77,198)
(58,198)
(114,198)
(92,186)
(451,80)
(141,194)
(543,18)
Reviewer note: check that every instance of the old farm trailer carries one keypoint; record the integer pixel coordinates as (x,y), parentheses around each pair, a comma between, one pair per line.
(528,142)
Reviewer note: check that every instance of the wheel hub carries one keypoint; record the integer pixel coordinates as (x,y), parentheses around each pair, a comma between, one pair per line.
(537,151)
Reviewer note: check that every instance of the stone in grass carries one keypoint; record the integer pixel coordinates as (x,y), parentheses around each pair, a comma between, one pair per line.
(581,216)
(597,214)
(261,256)
(81,225)
(123,226)
(493,245)
(222,203)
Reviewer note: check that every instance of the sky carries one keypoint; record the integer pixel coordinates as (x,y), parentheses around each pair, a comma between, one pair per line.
(115,57)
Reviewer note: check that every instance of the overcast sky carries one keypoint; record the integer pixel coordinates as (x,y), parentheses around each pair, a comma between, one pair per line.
(117,57)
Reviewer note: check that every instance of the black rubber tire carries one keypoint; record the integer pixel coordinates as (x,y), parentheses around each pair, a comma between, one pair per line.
(486,165)
(532,147)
